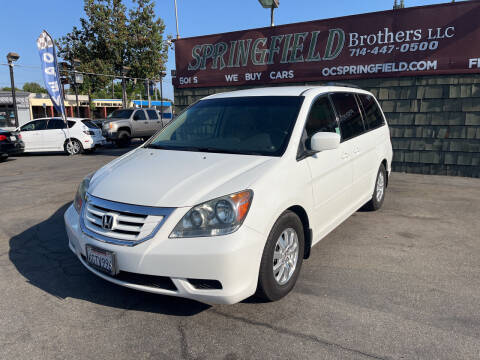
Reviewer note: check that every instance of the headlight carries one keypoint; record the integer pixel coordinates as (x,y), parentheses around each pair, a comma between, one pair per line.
(219,216)
(81,194)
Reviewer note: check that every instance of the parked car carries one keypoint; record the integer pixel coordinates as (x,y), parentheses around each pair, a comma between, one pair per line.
(10,143)
(228,199)
(124,124)
(51,134)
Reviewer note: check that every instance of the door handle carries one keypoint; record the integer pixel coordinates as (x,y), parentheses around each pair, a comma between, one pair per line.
(146,122)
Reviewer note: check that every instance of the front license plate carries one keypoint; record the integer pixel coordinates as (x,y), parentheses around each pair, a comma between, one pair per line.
(100,259)
(13,138)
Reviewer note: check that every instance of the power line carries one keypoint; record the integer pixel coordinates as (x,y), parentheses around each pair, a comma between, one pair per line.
(86,73)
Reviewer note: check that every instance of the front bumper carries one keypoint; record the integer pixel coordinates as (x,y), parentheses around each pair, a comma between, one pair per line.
(109,134)
(232,260)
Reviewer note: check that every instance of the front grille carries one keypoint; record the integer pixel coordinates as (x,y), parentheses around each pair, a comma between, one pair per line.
(130,224)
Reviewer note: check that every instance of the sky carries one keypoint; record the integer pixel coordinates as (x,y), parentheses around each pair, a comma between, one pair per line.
(24,20)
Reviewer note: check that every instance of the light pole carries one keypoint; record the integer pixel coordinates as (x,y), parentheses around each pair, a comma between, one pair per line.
(11,58)
(176,18)
(162,74)
(125,70)
(270,4)
(75,63)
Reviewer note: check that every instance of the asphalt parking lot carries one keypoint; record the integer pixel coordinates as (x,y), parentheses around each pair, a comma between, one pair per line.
(401,283)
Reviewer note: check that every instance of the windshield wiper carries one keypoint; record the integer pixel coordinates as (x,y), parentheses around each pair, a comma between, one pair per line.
(204,149)
(155,146)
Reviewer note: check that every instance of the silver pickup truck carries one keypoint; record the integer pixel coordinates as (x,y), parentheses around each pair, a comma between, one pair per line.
(125,124)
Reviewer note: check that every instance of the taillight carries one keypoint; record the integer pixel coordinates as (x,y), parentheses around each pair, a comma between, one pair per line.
(19,136)
(3,138)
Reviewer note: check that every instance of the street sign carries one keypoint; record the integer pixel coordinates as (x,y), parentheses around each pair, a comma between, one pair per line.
(79,78)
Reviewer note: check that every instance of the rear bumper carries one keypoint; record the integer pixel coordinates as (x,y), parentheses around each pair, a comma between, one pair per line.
(93,142)
(232,260)
(11,149)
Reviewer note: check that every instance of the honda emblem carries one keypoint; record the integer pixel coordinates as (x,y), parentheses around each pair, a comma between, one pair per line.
(107,222)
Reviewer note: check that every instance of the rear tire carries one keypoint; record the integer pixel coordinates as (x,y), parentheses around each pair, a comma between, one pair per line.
(282,258)
(123,138)
(3,157)
(378,195)
(73,147)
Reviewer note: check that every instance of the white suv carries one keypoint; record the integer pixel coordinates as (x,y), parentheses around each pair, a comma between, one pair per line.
(227,200)
(51,134)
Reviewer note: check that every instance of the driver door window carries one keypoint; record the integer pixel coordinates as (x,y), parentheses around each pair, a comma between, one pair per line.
(34,125)
(321,118)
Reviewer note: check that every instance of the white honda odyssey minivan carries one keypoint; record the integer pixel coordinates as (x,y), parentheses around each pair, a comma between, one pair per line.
(226,201)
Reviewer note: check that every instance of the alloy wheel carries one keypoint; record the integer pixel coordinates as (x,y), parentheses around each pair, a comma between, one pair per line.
(285,256)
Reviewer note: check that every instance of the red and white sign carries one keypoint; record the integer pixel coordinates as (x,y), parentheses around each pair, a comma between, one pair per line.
(426,40)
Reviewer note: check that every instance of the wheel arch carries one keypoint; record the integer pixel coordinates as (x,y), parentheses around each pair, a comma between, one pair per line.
(385,164)
(302,214)
(71,138)
(125,128)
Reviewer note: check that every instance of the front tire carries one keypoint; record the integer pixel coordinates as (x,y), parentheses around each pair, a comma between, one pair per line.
(73,147)
(378,196)
(282,258)
(123,139)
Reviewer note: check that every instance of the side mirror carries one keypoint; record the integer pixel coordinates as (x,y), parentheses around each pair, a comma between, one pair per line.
(322,141)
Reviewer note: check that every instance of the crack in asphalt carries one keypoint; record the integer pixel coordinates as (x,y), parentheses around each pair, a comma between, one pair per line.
(183,342)
(298,335)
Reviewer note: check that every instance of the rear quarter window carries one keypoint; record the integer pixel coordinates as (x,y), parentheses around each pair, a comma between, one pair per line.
(373,114)
(90,124)
(152,115)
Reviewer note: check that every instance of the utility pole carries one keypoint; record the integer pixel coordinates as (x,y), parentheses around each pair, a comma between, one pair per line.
(11,58)
(148,94)
(125,70)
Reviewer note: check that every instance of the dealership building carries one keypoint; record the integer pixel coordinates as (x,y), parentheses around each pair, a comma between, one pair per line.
(422,64)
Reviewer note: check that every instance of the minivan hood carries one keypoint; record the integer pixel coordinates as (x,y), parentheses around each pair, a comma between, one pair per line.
(167,178)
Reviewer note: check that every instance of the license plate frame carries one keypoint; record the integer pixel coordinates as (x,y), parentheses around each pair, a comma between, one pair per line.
(13,138)
(101,260)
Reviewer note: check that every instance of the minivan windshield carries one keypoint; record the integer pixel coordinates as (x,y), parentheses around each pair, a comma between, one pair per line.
(256,125)
(120,114)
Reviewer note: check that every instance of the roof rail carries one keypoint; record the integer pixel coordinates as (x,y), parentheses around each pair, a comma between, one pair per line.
(332,83)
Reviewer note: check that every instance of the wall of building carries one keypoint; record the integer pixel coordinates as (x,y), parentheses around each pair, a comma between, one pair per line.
(434,120)
(7,119)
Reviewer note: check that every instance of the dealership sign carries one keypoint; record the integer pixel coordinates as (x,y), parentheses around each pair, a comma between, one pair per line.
(427,40)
